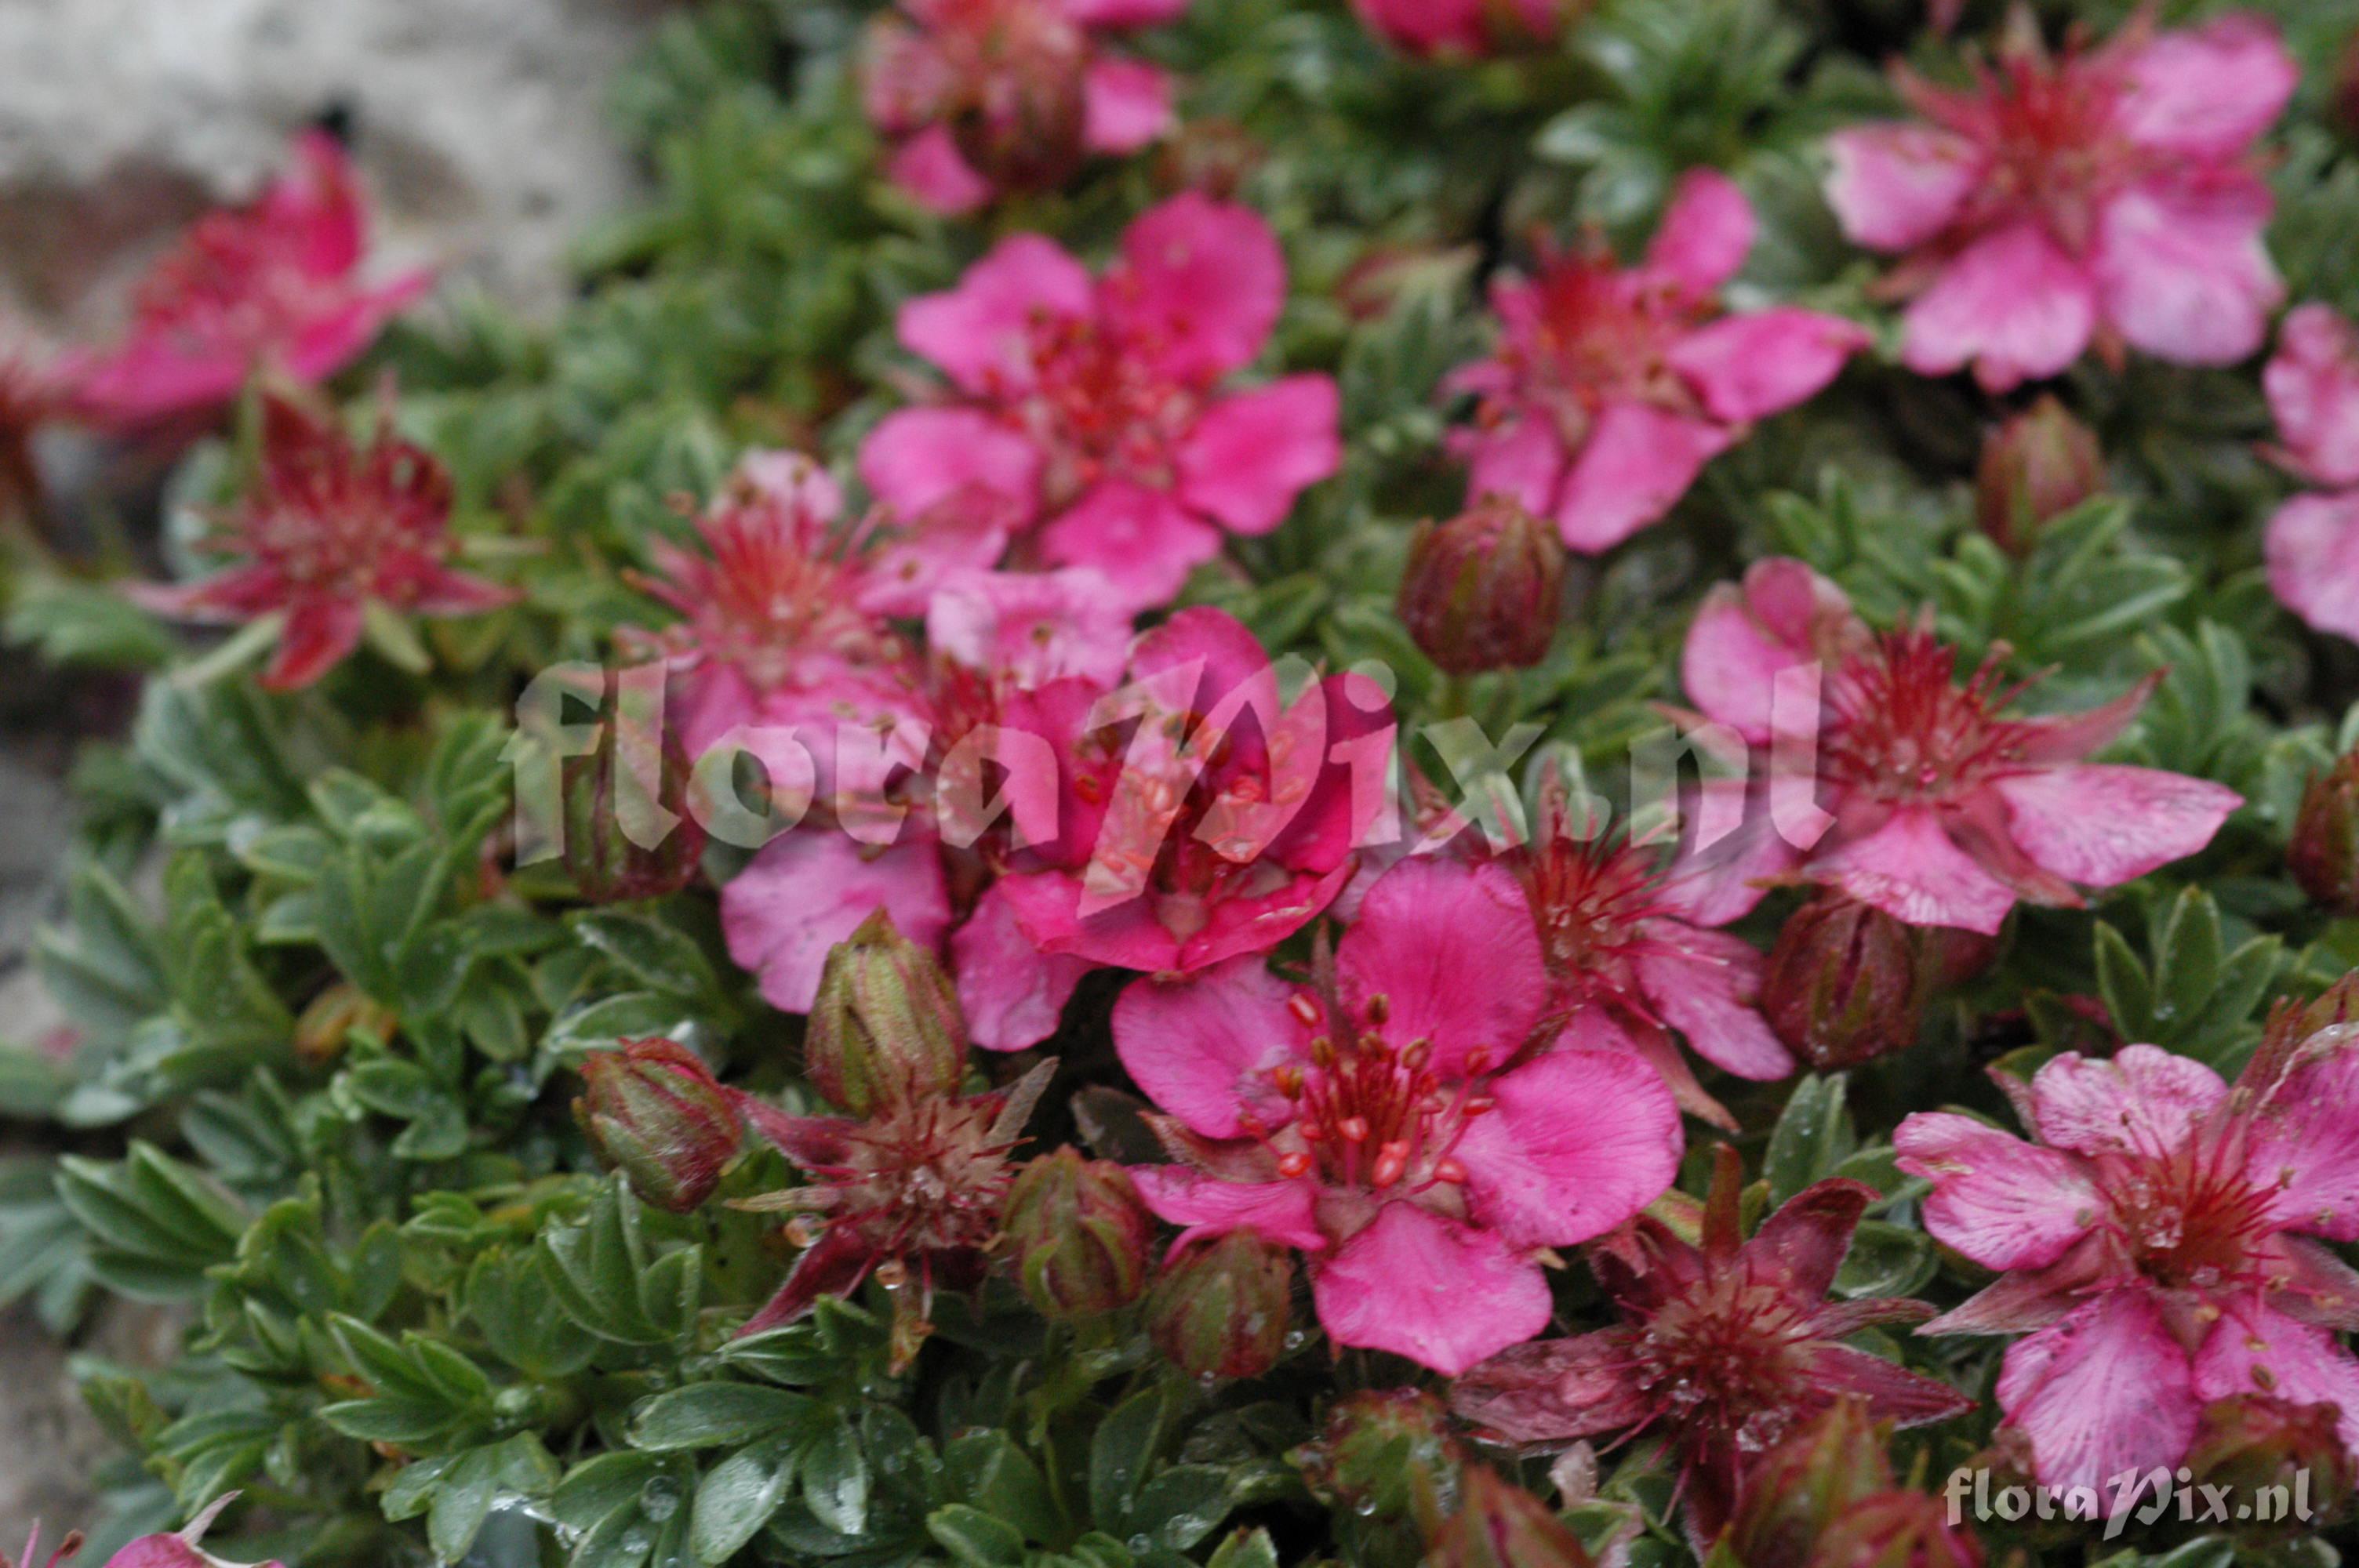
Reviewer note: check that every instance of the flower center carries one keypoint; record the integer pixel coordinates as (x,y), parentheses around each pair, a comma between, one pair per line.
(1372,1114)
(231,284)
(2056,152)
(2192,1219)
(1102,408)
(1901,728)
(1589,899)
(1589,334)
(1720,1356)
(928,1178)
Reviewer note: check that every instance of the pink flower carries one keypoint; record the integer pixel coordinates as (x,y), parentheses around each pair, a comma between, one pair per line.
(1400,1120)
(1940,809)
(2104,194)
(330,533)
(274,285)
(982,96)
(2162,1238)
(1093,405)
(1724,1348)
(2312,543)
(1200,817)
(1466,28)
(1612,386)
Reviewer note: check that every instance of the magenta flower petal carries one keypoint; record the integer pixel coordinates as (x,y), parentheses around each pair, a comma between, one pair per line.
(1910,869)
(1744,636)
(1206,1205)
(1012,993)
(2001,1202)
(2145,1099)
(808,889)
(2104,826)
(1253,453)
(2313,551)
(1203,1048)
(929,167)
(1893,1393)
(1199,287)
(1125,13)
(1451,949)
(980,332)
(1579,1141)
(917,459)
(1895,186)
(1750,366)
(2312,381)
(1030,628)
(1708,987)
(1640,458)
(1443,1294)
(318,635)
(2105,1391)
(2208,91)
(2181,268)
(1523,458)
(1126,104)
(2012,305)
(1144,541)
(2304,1146)
(1706,234)
(2254,1350)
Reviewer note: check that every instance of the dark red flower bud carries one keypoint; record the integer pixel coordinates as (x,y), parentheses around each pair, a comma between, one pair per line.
(628,831)
(1078,1234)
(885,1028)
(1482,591)
(2249,1443)
(1385,1455)
(2039,465)
(1500,1525)
(2325,855)
(1841,986)
(1220,1307)
(1896,1530)
(1795,1493)
(655,1113)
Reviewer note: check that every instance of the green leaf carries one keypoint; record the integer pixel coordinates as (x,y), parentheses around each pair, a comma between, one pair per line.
(835,1477)
(716,1415)
(738,1496)
(1812,1139)
(976,1539)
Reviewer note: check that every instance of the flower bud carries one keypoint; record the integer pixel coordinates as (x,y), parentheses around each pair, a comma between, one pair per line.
(1385,1455)
(885,1028)
(1894,1529)
(2346,88)
(1482,591)
(2291,1023)
(1208,154)
(1500,1525)
(2247,1442)
(1080,1235)
(1797,1491)
(2039,465)
(628,833)
(2325,855)
(655,1113)
(1842,985)
(1220,1309)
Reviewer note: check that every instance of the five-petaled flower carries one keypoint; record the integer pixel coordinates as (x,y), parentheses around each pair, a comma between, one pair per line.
(331,535)
(1406,1120)
(982,96)
(2163,1240)
(1612,386)
(2103,194)
(1093,406)
(1924,797)
(273,286)
(1724,1348)
(2312,543)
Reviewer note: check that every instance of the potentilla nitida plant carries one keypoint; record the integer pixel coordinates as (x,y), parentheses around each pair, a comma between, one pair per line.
(274,287)
(1407,1119)
(2161,1244)
(912,1188)
(1727,1346)
(1098,408)
(985,97)
(333,543)
(2104,193)
(1910,785)
(1612,387)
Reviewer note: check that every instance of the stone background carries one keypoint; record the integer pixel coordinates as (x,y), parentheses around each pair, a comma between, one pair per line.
(479,128)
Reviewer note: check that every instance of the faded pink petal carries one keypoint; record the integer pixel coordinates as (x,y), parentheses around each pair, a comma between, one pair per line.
(2001,1202)
(2182,269)
(1126,104)
(318,635)
(1640,458)
(1199,286)
(1578,1142)
(2011,304)
(1428,27)
(2312,382)
(1706,234)
(1253,453)
(1550,1390)
(2145,1099)
(2105,1391)
(1439,1292)
(1211,646)
(1524,458)
(1206,1205)
(2208,91)
(1709,990)
(980,332)
(1910,869)
(1143,540)
(1744,635)
(2103,826)
(917,459)
(2304,1144)
(2255,1350)
(1895,186)
(929,167)
(1748,367)
(1203,1048)
(2312,550)
(1125,13)
(810,889)
(1012,993)
(1029,628)
(1893,1393)
(1452,949)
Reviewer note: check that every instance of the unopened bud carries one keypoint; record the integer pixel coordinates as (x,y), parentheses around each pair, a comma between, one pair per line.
(1500,1525)
(2249,1442)
(1386,1454)
(628,830)
(653,1112)
(2325,855)
(1481,591)
(1840,987)
(1220,1307)
(1896,1530)
(1797,1491)
(885,1029)
(1078,1234)
(2039,465)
